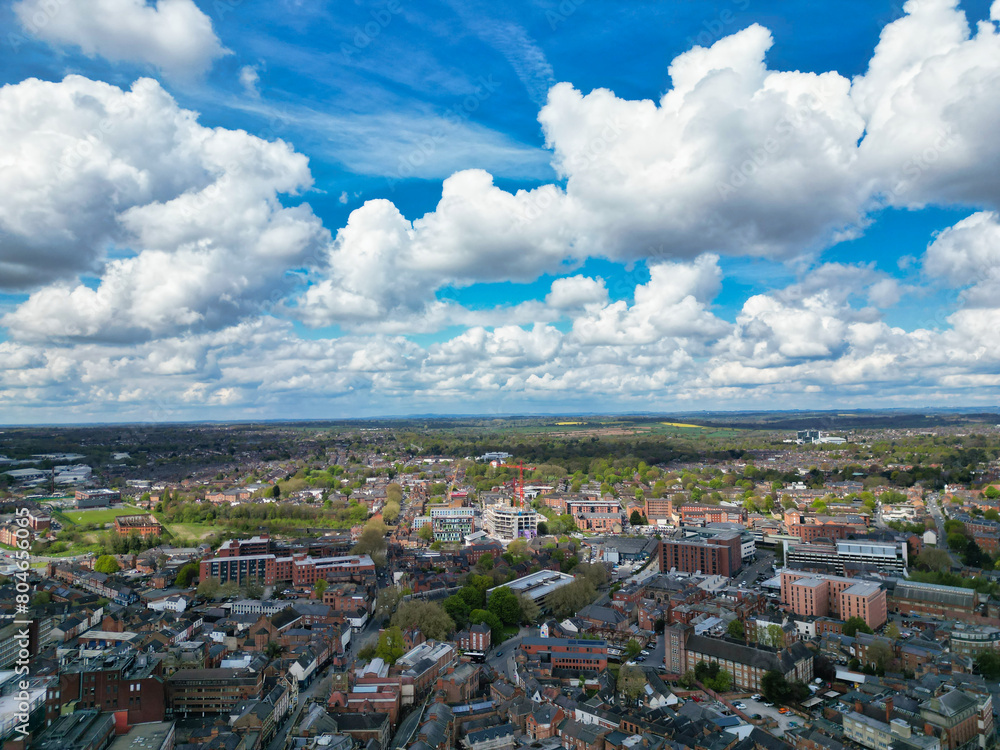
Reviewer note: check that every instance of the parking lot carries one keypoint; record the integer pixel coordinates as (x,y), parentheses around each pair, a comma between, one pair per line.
(755,707)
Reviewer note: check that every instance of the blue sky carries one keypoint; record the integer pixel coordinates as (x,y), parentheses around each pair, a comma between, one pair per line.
(242,209)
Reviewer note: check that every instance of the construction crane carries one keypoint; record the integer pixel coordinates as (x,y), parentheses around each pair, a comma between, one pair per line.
(519,482)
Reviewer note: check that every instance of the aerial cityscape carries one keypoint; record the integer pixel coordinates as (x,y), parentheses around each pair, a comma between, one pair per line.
(454,375)
(483,583)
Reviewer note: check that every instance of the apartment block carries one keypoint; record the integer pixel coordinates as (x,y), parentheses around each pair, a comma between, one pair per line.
(814,595)
(718,555)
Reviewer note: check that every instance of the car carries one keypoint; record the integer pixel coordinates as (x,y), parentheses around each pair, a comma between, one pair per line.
(644,652)
(793,723)
(640,658)
(783,710)
(768,704)
(755,697)
(740,706)
(755,717)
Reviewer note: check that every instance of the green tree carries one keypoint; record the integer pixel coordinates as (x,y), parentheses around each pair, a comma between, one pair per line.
(254,590)
(394,493)
(892,631)
(567,600)
(209,588)
(958,542)
(426,533)
(933,559)
(390,512)
(489,619)
(855,625)
(529,609)
(186,574)
(41,598)
(518,549)
(107,564)
(504,604)
(485,563)
(372,542)
(275,491)
(228,590)
(879,654)
(988,664)
(320,587)
(721,683)
(775,687)
(735,629)
(457,609)
(636,518)
(631,683)
(632,649)
(427,617)
(273,650)
(390,645)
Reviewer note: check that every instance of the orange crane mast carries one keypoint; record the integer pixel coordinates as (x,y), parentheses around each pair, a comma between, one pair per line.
(519,482)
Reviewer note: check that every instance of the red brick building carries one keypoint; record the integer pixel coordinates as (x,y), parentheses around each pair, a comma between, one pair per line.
(719,555)
(132,685)
(568,653)
(694,515)
(143,525)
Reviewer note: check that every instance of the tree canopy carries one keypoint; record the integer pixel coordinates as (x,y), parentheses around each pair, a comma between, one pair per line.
(107,564)
(427,617)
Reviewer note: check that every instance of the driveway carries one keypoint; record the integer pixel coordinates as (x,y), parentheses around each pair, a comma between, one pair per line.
(753,707)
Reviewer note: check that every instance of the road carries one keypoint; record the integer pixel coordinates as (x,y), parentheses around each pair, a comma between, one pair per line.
(942,537)
(501,659)
(750,573)
(321,685)
(304,697)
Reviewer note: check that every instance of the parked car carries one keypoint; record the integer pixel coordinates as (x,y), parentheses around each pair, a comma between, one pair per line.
(755,697)
(783,710)
(768,704)
(740,706)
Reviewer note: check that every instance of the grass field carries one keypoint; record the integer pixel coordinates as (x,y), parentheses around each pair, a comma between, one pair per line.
(101,515)
(196,531)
